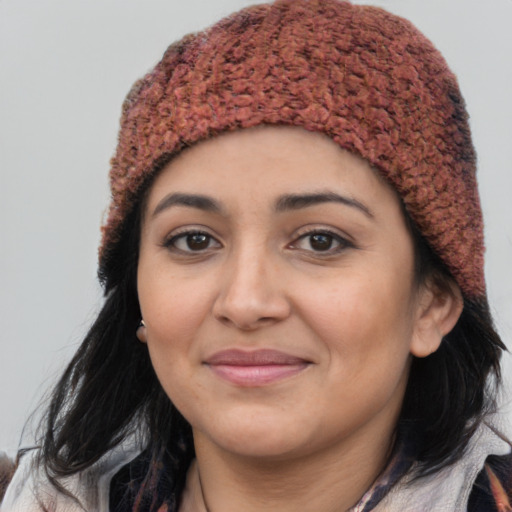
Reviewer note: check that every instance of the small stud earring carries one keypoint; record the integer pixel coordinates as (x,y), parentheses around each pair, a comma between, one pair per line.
(141,333)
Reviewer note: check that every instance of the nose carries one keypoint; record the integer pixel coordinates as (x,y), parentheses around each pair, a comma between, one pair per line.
(251,294)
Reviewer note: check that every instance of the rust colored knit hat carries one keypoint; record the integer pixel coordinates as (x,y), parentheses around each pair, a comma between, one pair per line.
(364,77)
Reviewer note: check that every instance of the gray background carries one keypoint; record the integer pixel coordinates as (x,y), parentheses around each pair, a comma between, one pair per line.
(65,67)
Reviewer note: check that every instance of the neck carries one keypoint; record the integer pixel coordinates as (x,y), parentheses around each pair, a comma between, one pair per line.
(329,481)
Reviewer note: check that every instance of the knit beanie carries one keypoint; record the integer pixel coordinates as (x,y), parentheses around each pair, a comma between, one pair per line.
(366,78)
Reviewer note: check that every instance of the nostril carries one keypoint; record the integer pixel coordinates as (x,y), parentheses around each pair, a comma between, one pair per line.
(245,322)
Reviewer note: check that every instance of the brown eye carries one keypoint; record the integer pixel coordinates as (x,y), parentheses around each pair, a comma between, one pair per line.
(197,241)
(192,241)
(321,241)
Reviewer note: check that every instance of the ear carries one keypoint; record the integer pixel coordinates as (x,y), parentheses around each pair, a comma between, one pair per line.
(438,309)
(141,332)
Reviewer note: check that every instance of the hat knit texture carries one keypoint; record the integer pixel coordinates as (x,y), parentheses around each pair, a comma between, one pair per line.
(364,77)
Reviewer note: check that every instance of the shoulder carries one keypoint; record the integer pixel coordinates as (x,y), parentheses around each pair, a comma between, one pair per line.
(27,484)
(450,488)
(492,490)
(31,491)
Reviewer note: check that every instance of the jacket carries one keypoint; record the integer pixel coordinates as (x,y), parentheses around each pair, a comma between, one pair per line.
(469,484)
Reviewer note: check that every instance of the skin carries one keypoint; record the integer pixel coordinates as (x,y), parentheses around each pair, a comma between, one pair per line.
(330,283)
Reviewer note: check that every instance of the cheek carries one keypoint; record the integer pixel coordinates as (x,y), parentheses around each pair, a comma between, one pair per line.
(171,333)
(173,311)
(366,337)
(172,306)
(365,321)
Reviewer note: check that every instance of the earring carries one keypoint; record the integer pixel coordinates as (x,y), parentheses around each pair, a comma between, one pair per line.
(141,332)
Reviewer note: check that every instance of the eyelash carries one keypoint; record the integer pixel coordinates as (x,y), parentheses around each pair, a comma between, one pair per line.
(342,243)
(171,243)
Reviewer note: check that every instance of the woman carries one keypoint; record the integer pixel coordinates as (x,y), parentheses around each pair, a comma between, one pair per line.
(295,313)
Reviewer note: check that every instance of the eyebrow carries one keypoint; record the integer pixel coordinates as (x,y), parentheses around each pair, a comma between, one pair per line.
(299,201)
(284,203)
(200,202)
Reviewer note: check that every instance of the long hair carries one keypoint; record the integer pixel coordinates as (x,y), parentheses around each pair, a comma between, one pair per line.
(450,392)
(110,389)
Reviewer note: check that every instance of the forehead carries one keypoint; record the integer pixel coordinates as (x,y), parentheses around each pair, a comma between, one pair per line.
(266,161)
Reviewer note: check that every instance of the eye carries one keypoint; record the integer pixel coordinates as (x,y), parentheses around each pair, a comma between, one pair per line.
(192,241)
(322,241)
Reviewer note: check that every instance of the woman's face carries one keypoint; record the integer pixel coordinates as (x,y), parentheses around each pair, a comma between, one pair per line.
(276,283)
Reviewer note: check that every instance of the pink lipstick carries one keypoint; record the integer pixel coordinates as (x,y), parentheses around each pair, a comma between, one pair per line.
(255,368)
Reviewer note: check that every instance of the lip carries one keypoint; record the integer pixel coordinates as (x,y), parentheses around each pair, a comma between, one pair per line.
(255,368)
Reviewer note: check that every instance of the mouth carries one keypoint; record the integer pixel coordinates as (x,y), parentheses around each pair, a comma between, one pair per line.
(255,368)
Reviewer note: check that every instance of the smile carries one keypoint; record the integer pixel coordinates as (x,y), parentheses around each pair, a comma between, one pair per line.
(256,368)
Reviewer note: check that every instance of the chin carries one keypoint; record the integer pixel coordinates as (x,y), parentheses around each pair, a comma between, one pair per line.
(258,445)
(256,436)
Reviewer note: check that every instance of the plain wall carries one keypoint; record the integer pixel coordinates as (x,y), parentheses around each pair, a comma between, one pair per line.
(65,67)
